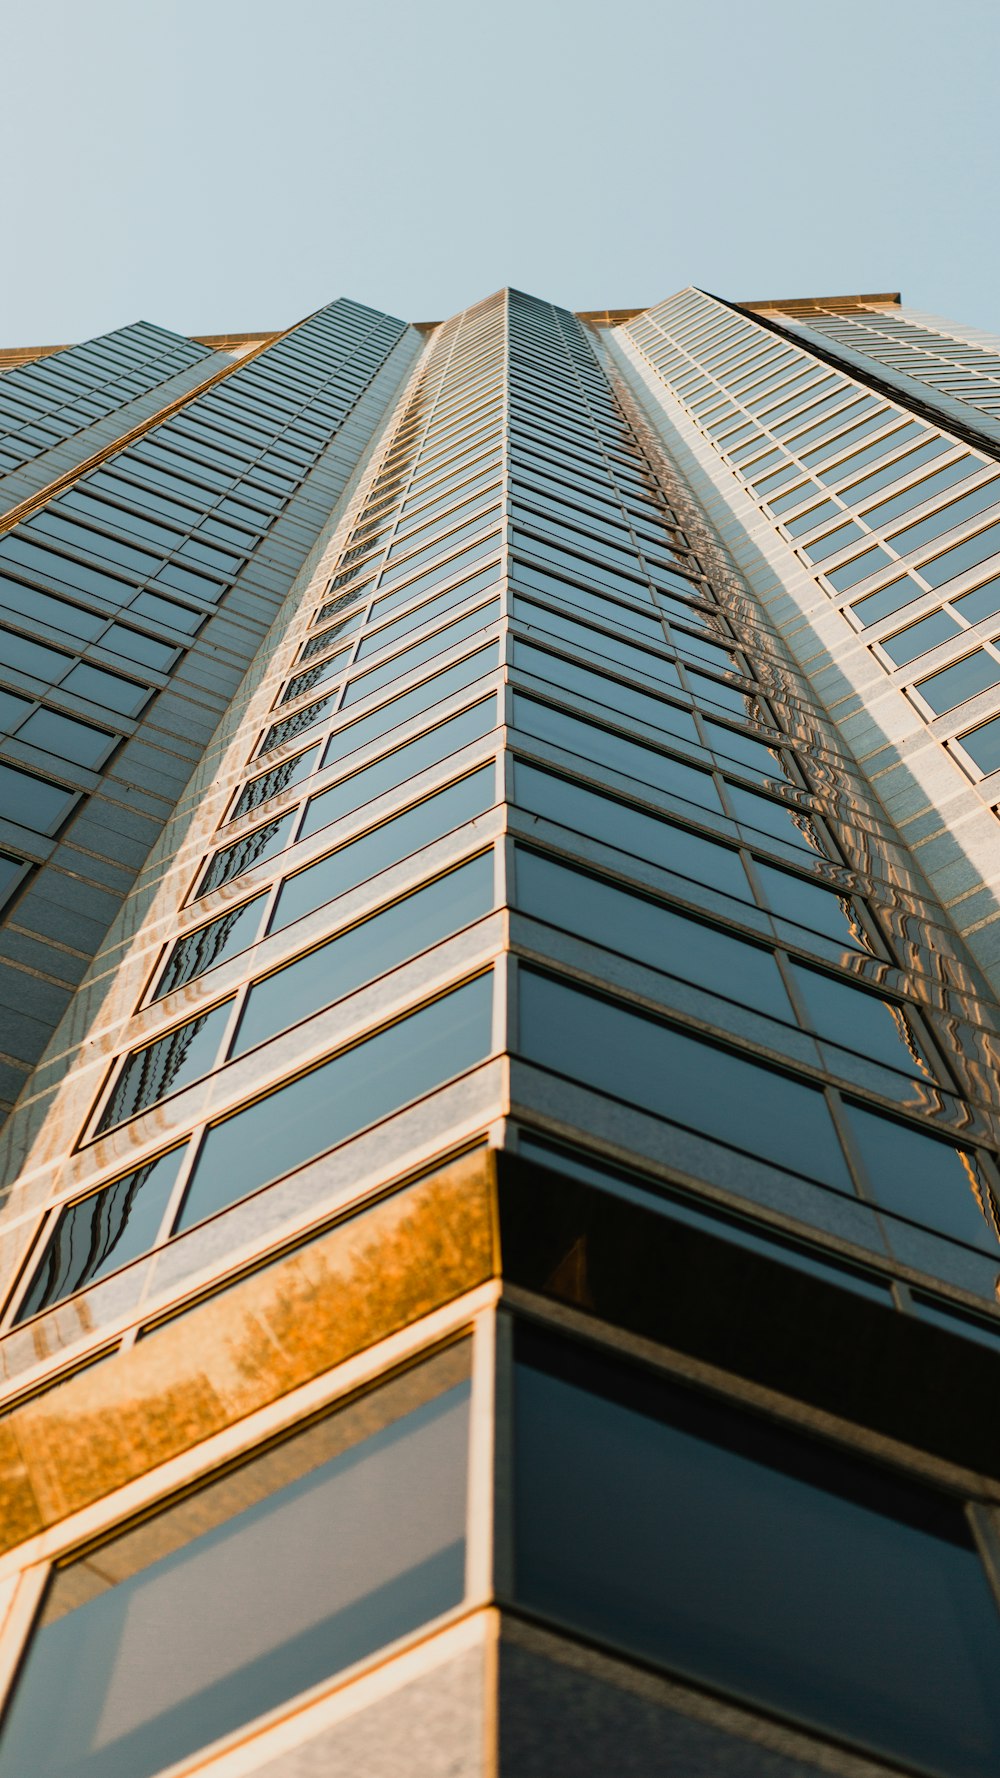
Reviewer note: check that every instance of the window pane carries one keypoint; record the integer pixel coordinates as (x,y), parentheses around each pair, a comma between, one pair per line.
(632,830)
(396,767)
(599,745)
(311,1114)
(619,1050)
(576,901)
(33,802)
(366,683)
(103,1232)
(925,1179)
(263,843)
(726,1548)
(953,685)
(626,699)
(210,945)
(385,845)
(983,745)
(295,1565)
(163,1067)
(367,951)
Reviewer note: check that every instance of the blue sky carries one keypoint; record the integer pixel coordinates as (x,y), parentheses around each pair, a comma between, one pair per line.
(225,164)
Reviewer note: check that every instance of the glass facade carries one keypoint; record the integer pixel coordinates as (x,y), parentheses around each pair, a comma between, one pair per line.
(528,878)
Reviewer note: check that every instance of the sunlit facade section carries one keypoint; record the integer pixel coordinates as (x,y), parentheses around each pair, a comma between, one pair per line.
(876,505)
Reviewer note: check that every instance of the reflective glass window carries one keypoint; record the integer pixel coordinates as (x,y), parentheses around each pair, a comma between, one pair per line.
(107,689)
(66,737)
(400,765)
(945,518)
(617,1049)
(953,685)
(622,920)
(252,849)
(280,777)
(208,945)
(928,1180)
(33,802)
(385,845)
(961,556)
(907,645)
(598,745)
(100,1233)
(309,1115)
(983,601)
(165,1065)
(983,745)
(846,1014)
(612,692)
(254,1588)
(858,568)
(752,1558)
(887,510)
(370,949)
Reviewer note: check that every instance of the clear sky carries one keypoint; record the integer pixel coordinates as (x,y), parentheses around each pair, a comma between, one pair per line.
(220,165)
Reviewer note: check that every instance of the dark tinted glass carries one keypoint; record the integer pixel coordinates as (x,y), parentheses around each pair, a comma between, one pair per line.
(211,944)
(385,845)
(366,951)
(599,745)
(356,1088)
(631,829)
(925,1179)
(657,935)
(727,1549)
(621,1051)
(396,767)
(33,802)
(166,1065)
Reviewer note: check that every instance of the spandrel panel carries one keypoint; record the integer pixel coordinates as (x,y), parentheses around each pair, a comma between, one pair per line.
(320,1109)
(101,1233)
(256,1588)
(371,949)
(619,1050)
(786,1572)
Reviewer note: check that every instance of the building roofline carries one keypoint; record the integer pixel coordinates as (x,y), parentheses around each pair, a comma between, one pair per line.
(792,303)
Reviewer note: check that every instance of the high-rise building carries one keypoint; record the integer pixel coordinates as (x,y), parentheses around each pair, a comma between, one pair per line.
(499,1012)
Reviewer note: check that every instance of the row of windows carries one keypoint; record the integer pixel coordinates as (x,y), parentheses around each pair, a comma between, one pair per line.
(53,398)
(756,896)
(41,548)
(790,1571)
(910,448)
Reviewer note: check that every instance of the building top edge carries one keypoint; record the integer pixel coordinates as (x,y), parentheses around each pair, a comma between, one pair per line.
(791,303)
